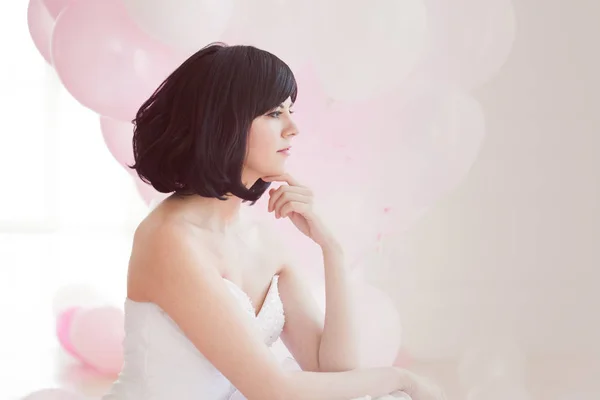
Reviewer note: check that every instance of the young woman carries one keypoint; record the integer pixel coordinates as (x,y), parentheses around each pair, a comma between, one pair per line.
(206,296)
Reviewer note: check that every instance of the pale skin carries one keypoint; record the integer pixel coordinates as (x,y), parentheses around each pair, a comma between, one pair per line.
(186,246)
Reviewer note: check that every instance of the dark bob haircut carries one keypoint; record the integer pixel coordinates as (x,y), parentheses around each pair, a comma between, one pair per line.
(190,136)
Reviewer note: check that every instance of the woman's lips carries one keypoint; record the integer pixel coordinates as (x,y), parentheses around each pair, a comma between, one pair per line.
(285,151)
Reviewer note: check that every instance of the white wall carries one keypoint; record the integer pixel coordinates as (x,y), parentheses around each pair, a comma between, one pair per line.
(516,248)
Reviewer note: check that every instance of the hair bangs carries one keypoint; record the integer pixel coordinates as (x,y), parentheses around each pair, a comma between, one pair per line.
(268,80)
(279,84)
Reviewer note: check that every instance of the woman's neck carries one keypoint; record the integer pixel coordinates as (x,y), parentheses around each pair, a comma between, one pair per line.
(212,214)
(219,216)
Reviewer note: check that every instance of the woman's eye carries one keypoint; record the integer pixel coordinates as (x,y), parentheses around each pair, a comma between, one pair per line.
(275,114)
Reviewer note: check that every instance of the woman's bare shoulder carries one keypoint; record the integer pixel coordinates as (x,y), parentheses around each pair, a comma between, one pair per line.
(158,238)
(160,227)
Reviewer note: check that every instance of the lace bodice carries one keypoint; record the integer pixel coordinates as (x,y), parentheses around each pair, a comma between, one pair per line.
(161,363)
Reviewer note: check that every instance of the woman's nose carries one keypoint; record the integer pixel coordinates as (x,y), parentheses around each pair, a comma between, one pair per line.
(291,130)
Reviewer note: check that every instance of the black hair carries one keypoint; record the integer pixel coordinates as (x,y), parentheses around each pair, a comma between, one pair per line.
(190,136)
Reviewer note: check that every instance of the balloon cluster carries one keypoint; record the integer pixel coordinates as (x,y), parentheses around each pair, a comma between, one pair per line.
(384,87)
(89,330)
(389,124)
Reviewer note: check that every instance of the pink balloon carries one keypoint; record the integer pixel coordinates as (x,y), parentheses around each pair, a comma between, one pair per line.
(366,153)
(63,330)
(399,153)
(118,136)
(40,24)
(53,394)
(56,6)
(105,61)
(97,335)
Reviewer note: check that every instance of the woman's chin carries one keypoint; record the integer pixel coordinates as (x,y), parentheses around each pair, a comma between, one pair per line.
(275,172)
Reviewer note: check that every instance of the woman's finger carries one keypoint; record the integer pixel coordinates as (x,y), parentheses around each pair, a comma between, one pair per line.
(276,193)
(293,206)
(287,197)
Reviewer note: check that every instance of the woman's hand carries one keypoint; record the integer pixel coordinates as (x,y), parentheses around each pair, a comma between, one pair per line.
(295,202)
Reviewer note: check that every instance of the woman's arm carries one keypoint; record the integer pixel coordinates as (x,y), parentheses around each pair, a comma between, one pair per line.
(339,344)
(373,382)
(334,347)
(320,343)
(171,270)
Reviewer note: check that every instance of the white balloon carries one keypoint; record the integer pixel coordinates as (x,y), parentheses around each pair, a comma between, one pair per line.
(76,296)
(362,49)
(277,26)
(452,138)
(186,25)
(470,39)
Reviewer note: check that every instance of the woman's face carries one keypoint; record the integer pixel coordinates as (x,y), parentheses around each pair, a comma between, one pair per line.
(269,143)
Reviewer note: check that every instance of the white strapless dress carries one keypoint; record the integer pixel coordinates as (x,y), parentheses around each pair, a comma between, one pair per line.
(161,363)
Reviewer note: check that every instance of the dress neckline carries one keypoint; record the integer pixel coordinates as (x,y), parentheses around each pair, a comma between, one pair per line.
(256,313)
(270,290)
